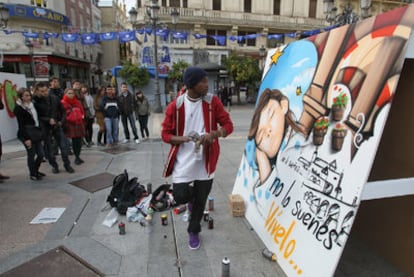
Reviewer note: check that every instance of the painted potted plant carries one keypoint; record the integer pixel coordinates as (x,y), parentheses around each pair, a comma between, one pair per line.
(320,127)
(338,136)
(338,106)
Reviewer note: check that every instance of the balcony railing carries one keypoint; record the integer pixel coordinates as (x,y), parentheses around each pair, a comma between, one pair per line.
(240,19)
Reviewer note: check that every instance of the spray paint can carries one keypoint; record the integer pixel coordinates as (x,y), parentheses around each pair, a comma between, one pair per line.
(164,219)
(210,223)
(211,203)
(206,216)
(149,188)
(121,227)
(180,209)
(269,254)
(225,267)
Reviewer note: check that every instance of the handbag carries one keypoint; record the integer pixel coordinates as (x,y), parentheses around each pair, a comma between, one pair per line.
(35,133)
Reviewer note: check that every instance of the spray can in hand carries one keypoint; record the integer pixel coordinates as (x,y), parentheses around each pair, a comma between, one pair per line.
(225,267)
(269,254)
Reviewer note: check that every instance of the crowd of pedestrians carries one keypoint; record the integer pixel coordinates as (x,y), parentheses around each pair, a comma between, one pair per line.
(52,120)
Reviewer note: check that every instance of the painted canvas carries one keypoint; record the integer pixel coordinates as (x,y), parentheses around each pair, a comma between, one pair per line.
(9,84)
(318,120)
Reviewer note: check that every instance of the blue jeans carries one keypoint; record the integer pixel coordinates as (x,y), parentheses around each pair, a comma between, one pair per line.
(112,129)
(129,117)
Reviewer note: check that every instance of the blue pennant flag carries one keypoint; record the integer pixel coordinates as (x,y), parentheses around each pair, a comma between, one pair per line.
(311,32)
(146,55)
(291,35)
(163,33)
(145,38)
(108,36)
(30,35)
(180,35)
(126,36)
(141,31)
(165,55)
(89,38)
(252,36)
(276,36)
(198,36)
(220,39)
(148,30)
(70,37)
(47,35)
(8,32)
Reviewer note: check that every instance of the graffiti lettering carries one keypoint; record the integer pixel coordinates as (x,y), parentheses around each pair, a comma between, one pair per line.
(279,233)
(324,232)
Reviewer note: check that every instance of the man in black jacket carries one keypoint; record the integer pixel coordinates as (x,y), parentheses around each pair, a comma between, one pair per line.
(52,119)
(127,108)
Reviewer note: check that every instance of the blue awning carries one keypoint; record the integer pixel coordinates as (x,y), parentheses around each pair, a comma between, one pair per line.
(19,10)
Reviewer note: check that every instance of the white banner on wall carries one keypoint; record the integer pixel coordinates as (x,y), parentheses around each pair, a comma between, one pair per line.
(9,84)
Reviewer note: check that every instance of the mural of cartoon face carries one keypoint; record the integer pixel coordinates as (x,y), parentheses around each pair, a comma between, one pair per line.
(271,127)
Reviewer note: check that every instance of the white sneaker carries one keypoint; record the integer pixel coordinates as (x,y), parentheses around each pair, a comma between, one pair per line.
(125,141)
(137,141)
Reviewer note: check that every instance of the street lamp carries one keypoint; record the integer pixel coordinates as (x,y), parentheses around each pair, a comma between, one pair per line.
(29,45)
(348,16)
(262,52)
(4,15)
(152,12)
(175,14)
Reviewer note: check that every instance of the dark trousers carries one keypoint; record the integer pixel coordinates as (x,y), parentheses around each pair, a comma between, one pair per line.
(35,156)
(89,129)
(60,140)
(197,195)
(124,119)
(143,125)
(77,146)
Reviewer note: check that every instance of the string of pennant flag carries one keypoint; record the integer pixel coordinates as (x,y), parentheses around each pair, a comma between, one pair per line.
(131,35)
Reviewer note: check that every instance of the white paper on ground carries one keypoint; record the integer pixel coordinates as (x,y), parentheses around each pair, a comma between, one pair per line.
(48,215)
(111,218)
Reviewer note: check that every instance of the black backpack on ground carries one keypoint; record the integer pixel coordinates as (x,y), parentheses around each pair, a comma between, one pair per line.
(162,198)
(125,193)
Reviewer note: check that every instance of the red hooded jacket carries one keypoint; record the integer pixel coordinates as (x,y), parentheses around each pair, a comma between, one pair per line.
(214,115)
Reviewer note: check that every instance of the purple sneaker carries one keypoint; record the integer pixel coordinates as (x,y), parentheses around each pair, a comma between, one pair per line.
(194,241)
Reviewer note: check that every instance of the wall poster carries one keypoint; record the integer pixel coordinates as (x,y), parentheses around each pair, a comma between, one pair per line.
(319,117)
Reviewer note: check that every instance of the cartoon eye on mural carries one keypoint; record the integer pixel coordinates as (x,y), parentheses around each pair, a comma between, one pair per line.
(319,117)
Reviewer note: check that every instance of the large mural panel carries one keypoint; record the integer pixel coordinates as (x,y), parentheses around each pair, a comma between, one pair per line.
(9,84)
(319,117)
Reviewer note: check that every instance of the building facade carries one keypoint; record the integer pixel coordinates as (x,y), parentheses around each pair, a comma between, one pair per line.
(32,43)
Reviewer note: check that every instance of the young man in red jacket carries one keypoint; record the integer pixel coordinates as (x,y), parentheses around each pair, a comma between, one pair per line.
(193,123)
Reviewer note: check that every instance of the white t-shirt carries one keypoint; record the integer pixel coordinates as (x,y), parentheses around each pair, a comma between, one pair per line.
(188,167)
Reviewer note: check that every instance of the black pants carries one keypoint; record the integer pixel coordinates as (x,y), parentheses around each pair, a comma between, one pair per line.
(197,195)
(89,129)
(60,141)
(143,125)
(77,146)
(35,156)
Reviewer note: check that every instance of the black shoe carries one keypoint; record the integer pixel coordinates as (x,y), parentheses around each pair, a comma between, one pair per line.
(78,161)
(35,178)
(4,177)
(55,170)
(81,161)
(41,174)
(69,169)
(70,152)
